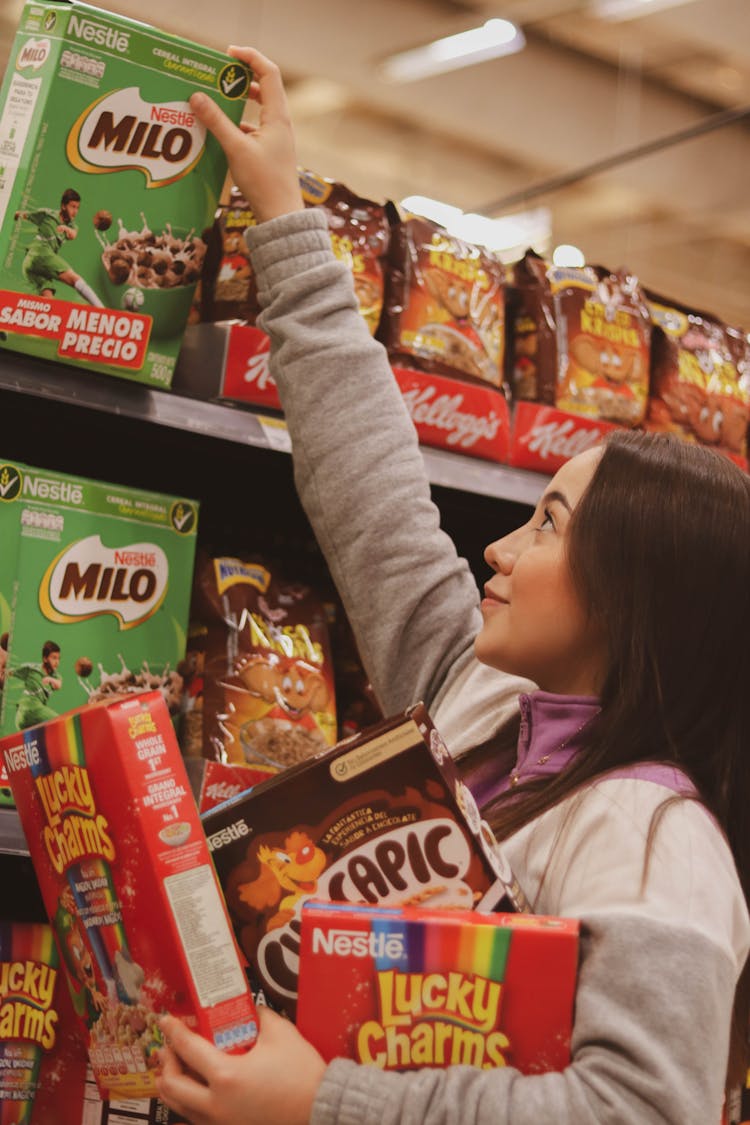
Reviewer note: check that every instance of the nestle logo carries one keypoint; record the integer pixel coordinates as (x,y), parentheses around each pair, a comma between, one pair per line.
(101,35)
(228,835)
(171,115)
(357,943)
(22,756)
(41,488)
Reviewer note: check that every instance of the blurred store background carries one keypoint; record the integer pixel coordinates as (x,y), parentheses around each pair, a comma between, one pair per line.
(568,137)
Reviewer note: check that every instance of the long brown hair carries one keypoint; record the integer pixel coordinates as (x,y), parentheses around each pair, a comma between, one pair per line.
(659,551)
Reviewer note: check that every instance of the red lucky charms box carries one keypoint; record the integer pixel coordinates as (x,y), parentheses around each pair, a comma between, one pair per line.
(42,1055)
(409,987)
(128,885)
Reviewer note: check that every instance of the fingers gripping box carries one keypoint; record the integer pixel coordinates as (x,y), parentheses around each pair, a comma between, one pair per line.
(107,183)
(421,987)
(382,818)
(128,885)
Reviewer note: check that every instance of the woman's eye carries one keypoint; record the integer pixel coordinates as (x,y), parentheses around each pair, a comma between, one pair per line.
(547,523)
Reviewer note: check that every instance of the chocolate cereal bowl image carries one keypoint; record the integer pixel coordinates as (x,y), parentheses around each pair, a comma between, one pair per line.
(175,834)
(152,272)
(457,350)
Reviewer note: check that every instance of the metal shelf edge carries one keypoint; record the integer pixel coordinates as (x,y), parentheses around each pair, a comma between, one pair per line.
(12,839)
(239,424)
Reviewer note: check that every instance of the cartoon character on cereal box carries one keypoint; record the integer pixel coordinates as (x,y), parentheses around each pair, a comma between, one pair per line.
(613,367)
(286,875)
(89,999)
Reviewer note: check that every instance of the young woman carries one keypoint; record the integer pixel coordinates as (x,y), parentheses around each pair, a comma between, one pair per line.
(597,700)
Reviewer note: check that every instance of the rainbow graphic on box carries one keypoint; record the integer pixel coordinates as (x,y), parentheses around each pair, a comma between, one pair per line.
(88,920)
(418,987)
(42,1056)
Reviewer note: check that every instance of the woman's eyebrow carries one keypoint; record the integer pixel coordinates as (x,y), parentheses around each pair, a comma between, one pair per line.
(561,498)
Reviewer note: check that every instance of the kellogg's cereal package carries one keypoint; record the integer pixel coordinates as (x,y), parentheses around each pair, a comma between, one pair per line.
(265,692)
(445,304)
(213,783)
(411,987)
(128,885)
(579,339)
(700,378)
(382,818)
(107,181)
(360,234)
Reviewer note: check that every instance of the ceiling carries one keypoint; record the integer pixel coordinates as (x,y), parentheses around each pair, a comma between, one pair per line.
(541,129)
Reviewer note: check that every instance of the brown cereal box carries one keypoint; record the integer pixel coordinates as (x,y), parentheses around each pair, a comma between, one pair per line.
(382,818)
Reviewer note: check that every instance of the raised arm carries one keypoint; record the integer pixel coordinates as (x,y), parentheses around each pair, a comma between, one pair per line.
(412,602)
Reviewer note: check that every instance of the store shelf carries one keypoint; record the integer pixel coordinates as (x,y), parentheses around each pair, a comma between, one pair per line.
(12,839)
(244,426)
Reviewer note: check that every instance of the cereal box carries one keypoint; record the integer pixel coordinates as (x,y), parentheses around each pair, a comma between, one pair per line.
(107,182)
(406,988)
(123,1111)
(9,482)
(128,885)
(382,818)
(42,1054)
(213,783)
(101,579)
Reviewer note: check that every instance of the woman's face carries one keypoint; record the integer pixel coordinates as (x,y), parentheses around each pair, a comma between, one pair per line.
(534,623)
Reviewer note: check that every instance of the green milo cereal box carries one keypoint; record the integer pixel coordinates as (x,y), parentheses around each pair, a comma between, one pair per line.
(107,183)
(95,583)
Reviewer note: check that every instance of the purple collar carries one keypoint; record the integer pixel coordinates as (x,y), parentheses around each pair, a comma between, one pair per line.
(551,733)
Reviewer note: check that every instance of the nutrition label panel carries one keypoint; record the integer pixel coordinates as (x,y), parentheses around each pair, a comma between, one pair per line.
(120,1111)
(201,921)
(15,124)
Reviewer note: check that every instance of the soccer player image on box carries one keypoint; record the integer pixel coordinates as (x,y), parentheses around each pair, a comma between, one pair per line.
(39,681)
(43,265)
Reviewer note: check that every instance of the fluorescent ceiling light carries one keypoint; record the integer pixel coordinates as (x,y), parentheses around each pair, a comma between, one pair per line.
(631,9)
(508,237)
(490,41)
(443,213)
(567,255)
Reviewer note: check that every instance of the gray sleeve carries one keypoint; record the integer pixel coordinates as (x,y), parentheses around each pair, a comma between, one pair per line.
(412,601)
(649,1047)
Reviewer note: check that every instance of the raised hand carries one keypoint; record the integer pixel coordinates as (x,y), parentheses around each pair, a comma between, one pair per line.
(262,158)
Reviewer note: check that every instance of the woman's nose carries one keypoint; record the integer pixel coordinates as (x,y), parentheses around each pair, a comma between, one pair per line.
(499,557)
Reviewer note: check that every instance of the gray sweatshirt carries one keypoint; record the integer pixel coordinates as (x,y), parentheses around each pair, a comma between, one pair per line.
(662,946)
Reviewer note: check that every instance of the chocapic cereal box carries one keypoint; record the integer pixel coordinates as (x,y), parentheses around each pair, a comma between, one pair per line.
(128,886)
(382,819)
(98,580)
(107,183)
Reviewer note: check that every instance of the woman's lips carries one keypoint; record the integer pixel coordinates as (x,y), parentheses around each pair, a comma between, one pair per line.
(491,600)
